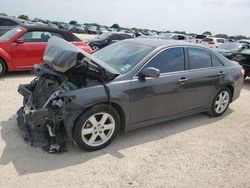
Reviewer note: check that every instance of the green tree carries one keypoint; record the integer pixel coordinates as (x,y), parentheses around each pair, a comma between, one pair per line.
(73,22)
(115,26)
(180,32)
(24,17)
(3,14)
(207,33)
(222,36)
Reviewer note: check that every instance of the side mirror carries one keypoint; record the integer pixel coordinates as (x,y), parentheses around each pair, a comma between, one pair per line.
(19,41)
(150,72)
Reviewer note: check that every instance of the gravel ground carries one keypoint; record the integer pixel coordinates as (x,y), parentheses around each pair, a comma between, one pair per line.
(195,151)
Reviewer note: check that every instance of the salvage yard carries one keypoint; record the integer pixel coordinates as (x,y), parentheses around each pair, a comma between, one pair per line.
(195,151)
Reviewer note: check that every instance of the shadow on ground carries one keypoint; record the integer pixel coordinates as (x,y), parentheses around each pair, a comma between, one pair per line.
(21,74)
(27,160)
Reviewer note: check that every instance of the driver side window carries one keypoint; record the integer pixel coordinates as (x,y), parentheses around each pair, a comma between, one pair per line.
(170,60)
(38,36)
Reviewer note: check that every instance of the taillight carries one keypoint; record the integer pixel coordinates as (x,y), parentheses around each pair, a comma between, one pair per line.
(211,42)
(242,72)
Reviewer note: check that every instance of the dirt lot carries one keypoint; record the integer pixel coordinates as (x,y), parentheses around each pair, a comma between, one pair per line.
(195,151)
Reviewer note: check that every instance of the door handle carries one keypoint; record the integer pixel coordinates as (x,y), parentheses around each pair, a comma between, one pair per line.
(221,73)
(183,79)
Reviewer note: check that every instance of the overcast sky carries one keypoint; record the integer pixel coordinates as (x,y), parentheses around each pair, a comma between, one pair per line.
(218,16)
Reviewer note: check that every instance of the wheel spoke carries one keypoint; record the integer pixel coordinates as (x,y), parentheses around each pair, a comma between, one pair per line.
(103,137)
(87,131)
(104,119)
(92,138)
(93,121)
(225,96)
(108,126)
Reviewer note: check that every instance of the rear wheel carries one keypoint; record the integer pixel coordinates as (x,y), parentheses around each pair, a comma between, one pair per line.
(96,128)
(3,68)
(220,102)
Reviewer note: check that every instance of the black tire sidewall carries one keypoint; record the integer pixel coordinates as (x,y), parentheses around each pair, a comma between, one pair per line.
(76,133)
(213,113)
(3,68)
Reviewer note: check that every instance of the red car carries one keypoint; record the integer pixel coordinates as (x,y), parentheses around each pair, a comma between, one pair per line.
(21,48)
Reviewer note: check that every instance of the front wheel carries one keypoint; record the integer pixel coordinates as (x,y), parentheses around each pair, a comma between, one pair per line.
(220,102)
(96,128)
(2,68)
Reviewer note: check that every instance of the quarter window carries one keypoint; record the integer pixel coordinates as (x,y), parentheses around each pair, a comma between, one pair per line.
(169,60)
(199,58)
(216,62)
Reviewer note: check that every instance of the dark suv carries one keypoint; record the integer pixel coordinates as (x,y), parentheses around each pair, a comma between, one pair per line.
(107,38)
(7,23)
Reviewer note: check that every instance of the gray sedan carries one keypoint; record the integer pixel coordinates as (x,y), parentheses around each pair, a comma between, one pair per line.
(129,84)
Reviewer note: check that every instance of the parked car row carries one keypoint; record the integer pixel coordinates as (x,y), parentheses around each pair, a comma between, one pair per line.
(22,47)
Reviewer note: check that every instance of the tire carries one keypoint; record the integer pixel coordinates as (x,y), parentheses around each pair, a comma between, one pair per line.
(90,133)
(95,47)
(220,102)
(3,68)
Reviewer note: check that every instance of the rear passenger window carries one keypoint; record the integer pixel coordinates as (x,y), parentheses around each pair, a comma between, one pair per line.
(199,58)
(216,62)
(169,60)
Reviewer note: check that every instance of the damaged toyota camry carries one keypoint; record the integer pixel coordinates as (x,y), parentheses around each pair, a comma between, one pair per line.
(87,98)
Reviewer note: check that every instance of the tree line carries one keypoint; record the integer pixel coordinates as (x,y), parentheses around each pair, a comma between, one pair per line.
(118,27)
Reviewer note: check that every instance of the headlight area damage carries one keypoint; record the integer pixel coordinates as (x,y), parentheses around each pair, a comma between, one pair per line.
(43,119)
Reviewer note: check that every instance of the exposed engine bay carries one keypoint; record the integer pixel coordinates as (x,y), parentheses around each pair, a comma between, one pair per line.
(66,68)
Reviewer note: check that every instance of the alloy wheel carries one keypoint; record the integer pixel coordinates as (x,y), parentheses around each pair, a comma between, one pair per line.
(222,102)
(98,129)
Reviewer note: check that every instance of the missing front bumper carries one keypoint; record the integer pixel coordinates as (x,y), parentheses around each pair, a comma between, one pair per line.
(40,127)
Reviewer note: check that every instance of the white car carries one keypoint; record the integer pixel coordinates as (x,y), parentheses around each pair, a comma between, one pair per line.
(198,38)
(213,42)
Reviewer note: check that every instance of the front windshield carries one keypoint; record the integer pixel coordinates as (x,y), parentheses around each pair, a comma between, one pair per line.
(123,56)
(103,36)
(230,46)
(11,33)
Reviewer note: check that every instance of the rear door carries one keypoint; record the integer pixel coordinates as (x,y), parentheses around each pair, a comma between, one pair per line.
(205,71)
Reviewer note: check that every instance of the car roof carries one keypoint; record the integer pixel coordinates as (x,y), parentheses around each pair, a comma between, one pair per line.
(161,42)
(70,37)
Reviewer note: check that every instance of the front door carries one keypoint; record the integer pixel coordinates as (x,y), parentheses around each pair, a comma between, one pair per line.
(30,52)
(159,97)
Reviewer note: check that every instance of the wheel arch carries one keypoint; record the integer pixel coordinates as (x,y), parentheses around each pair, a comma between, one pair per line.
(7,60)
(116,106)
(231,88)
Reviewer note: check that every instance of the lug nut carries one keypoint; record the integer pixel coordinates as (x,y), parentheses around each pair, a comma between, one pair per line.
(100,132)
(95,132)
(102,127)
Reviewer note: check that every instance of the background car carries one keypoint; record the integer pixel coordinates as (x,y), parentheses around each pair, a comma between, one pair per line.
(7,23)
(105,39)
(213,42)
(21,48)
(198,38)
(126,85)
(244,60)
(231,50)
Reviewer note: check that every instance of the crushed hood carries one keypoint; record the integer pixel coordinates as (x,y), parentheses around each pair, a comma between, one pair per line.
(62,56)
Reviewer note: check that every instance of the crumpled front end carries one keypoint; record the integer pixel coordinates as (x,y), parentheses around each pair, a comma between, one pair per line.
(41,117)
